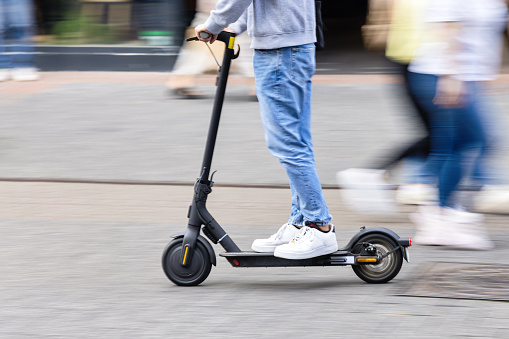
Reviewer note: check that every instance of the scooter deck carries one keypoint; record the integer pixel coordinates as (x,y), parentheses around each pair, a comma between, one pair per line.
(256,259)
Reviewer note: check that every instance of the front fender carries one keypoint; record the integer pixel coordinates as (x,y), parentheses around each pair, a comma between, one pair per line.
(204,242)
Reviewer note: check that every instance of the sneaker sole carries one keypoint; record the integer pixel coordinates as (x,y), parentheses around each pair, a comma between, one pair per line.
(307,255)
(263,249)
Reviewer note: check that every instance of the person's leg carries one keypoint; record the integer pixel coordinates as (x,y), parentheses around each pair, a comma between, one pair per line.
(21,22)
(487,177)
(283,82)
(20,17)
(444,160)
(454,134)
(417,153)
(468,142)
(4,59)
(194,59)
(423,88)
(484,173)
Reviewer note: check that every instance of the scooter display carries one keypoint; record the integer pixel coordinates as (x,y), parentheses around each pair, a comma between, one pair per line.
(376,254)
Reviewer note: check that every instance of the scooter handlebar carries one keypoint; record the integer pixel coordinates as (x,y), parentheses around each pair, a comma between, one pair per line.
(223,36)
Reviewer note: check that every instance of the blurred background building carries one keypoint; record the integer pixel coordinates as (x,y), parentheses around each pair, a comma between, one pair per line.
(145,35)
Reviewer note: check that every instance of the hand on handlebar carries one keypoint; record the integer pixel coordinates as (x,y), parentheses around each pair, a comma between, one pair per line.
(229,30)
(202,32)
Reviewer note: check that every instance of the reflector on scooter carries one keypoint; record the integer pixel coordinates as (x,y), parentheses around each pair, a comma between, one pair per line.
(185,256)
(367,259)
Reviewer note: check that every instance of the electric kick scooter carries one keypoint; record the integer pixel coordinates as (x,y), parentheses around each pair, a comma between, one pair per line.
(375,254)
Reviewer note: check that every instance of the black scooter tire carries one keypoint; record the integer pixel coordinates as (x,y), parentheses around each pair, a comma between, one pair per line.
(389,266)
(195,273)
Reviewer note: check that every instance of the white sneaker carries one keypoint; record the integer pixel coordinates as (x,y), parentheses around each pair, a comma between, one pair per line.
(416,194)
(492,199)
(366,191)
(467,230)
(449,227)
(309,243)
(283,236)
(24,74)
(4,75)
(429,226)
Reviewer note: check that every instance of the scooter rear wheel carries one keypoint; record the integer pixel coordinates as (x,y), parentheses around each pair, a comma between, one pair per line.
(387,268)
(195,273)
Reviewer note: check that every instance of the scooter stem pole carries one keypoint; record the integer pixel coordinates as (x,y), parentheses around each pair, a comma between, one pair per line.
(228,39)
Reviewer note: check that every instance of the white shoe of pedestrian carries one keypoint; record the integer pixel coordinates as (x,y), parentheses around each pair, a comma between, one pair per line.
(416,194)
(429,226)
(24,74)
(450,227)
(309,243)
(492,199)
(283,236)
(466,230)
(366,191)
(5,75)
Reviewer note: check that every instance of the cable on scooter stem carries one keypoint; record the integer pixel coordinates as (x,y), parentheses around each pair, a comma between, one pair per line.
(228,38)
(205,35)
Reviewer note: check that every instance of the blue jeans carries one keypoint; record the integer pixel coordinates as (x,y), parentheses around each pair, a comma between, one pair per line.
(16,30)
(457,136)
(484,173)
(283,85)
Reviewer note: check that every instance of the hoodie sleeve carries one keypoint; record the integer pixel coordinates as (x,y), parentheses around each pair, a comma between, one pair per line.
(240,25)
(226,13)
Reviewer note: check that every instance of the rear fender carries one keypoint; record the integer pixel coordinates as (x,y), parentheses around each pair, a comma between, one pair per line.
(403,242)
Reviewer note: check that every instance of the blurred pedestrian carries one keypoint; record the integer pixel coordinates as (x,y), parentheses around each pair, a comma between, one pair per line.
(396,26)
(365,188)
(16,47)
(196,59)
(403,39)
(283,34)
(460,51)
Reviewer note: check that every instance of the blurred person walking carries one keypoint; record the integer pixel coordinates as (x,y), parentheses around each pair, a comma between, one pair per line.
(396,27)
(403,39)
(16,47)
(460,51)
(283,34)
(196,59)
(365,188)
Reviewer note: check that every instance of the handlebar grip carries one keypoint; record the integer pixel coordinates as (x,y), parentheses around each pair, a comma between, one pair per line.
(205,35)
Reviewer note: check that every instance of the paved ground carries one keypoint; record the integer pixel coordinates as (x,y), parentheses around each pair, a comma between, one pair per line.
(82,260)
(126,126)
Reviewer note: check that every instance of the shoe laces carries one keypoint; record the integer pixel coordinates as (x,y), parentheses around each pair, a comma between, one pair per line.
(304,234)
(280,232)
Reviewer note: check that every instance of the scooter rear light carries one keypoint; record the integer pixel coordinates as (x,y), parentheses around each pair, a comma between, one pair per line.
(405,242)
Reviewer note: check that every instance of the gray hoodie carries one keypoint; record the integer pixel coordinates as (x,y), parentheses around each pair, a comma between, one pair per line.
(271,24)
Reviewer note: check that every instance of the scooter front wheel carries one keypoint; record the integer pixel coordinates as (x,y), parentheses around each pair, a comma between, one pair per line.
(388,267)
(191,275)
